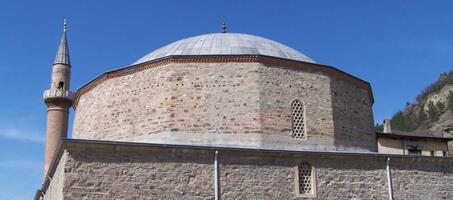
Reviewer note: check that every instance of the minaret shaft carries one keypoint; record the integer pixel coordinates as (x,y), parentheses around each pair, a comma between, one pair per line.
(58,100)
(61,75)
(56,128)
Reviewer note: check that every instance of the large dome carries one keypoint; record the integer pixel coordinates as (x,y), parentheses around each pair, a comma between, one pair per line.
(226,44)
(242,99)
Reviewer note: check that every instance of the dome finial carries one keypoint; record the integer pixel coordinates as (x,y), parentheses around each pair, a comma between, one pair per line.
(224,27)
(64,25)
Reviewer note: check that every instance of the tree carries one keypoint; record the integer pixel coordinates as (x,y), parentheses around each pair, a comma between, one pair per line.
(401,121)
(421,116)
(433,112)
(440,106)
(450,101)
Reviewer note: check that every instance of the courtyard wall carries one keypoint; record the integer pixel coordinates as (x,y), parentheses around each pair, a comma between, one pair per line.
(145,171)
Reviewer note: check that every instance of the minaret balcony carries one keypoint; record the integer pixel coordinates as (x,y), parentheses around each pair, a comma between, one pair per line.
(58,94)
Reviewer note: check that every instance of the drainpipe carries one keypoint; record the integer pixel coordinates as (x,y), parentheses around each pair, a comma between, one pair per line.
(216,176)
(404,146)
(448,150)
(389,179)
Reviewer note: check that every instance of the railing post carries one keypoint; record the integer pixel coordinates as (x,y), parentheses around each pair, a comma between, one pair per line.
(216,176)
(389,179)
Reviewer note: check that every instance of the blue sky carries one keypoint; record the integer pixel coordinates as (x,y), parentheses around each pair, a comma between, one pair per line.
(398,46)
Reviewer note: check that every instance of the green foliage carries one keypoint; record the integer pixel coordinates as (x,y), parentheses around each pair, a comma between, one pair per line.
(433,111)
(440,106)
(421,116)
(414,115)
(401,121)
(450,101)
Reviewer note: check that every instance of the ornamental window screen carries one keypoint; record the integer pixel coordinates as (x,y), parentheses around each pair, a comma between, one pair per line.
(305,179)
(298,121)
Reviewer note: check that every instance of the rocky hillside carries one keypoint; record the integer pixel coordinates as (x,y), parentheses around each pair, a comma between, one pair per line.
(432,111)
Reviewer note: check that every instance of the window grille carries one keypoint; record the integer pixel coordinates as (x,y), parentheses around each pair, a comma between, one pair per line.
(305,179)
(298,123)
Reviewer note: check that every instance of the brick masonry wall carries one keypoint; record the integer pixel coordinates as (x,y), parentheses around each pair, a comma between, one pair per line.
(138,172)
(279,86)
(352,116)
(201,98)
(242,100)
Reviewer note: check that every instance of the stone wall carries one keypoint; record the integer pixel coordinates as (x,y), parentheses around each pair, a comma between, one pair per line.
(273,177)
(134,173)
(423,178)
(228,104)
(119,171)
(55,189)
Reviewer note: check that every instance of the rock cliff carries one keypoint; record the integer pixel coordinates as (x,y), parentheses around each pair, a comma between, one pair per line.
(432,112)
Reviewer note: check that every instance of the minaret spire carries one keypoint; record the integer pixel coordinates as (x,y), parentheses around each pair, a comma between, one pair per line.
(62,56)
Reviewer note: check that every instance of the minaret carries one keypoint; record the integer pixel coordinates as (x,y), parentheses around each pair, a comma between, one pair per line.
(58,100)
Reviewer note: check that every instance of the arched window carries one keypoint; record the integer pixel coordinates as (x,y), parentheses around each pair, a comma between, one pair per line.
(298,119)
(305,182)
(60,85)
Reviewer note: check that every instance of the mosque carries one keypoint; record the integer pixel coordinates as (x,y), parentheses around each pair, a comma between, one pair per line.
(224,116)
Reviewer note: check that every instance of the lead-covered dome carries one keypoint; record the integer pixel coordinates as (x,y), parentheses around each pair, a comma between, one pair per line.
(226,44)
